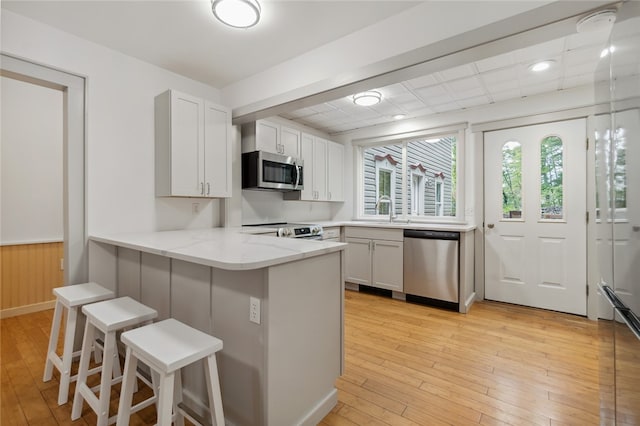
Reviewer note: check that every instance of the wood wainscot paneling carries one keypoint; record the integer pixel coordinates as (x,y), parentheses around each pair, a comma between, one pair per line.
(28,275)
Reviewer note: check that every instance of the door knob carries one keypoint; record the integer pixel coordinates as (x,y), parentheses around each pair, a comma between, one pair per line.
(490,226)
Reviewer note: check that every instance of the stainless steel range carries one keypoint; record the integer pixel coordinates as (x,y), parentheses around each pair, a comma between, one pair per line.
(295,230)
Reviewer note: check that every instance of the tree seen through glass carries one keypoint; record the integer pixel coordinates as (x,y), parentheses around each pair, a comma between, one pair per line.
(512,180)
(551,175)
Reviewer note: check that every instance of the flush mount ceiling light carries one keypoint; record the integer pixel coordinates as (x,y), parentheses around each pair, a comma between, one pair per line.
(369,98)
(237,13)
(399,116)
(600,20)
(541,66)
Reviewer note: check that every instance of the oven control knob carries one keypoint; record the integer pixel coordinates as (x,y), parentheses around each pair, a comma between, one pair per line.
(315,230)
(284,232)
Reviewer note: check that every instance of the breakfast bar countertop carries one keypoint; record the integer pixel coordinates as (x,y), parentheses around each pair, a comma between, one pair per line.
(225,248)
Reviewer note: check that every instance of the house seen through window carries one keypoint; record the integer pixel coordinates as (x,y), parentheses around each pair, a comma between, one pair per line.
(422,186)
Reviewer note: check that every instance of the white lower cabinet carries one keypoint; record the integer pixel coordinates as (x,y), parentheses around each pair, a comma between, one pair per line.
(374,257)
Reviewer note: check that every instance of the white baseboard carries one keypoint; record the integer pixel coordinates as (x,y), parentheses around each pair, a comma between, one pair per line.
(27,309)
(323,408)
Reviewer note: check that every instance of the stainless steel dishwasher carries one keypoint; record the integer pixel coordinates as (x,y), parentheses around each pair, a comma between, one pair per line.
(431,267)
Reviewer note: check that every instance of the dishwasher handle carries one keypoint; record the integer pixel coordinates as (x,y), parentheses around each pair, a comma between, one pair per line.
(431,235)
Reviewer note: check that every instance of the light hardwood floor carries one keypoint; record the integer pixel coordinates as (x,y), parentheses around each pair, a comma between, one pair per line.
(405,365)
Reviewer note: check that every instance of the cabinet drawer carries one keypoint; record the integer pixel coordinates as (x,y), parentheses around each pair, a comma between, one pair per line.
(374,233)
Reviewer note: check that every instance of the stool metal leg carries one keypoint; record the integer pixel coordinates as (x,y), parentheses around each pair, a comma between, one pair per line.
(126,393)
(213,388)
(67,356)
(83,370)
(53,341)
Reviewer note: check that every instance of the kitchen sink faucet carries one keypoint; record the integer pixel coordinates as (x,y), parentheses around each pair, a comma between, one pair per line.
(384,199)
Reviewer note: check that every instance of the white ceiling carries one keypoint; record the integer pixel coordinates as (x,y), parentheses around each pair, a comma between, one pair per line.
(477,84)
(183,36)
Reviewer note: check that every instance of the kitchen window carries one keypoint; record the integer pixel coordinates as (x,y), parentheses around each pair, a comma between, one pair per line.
(420,175)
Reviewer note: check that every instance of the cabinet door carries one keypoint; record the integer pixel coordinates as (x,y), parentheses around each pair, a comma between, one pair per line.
(335,172)
(358,261)
(320,169)
(187,141)
(217,151)
(289,142)
(387,265)
(267,136)
(306,148)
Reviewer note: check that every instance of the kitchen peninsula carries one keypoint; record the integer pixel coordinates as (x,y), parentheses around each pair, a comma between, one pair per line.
(276,303)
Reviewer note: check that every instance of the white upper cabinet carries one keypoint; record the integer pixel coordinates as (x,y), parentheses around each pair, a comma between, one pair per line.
(320,169)
(289,142)
(264,135)
(335,172)
(306,146)
(193,147)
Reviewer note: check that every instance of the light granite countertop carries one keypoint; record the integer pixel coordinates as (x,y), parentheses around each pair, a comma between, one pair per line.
(224,248)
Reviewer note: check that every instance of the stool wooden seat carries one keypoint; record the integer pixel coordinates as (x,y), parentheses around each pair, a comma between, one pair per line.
(166,347)
(71,298)
(108,317)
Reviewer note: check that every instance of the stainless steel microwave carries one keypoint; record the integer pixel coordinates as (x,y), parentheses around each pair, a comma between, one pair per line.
(268,171)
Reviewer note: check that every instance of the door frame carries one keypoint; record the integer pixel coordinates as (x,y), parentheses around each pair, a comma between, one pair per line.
(478,130)
(74,88)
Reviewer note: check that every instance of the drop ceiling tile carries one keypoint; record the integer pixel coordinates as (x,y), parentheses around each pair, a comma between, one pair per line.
(446,107)
(577,80)
(429,92)
(457,73)
(440,100)
(536,89)
(495,62)
(502,85)
(465,84)
(473,101)
(404,98)
(586,55)
(322,107)
(506,95)
(478,91)
(303,112)
(393,90)
(386,108)
(412,106)
(424,81)
(499,76)
(588,68)
(341,102)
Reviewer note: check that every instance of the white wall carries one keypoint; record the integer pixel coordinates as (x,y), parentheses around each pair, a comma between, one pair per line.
(120,139)
(31,163)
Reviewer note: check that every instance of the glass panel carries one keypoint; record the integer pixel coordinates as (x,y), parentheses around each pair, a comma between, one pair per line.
(619,169)
(551,169)
(433,159)
(512,180)
(382,168)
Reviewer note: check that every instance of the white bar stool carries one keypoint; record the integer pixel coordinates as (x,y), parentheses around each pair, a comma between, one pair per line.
(71,298)
(166,347)
(109,317)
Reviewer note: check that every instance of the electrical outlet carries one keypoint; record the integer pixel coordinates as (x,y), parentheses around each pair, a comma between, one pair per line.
(195,208)
(254,310)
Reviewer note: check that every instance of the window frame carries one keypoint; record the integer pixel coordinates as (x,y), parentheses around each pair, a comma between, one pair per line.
(420,207)
(438,188)
(383,165)
(360,145)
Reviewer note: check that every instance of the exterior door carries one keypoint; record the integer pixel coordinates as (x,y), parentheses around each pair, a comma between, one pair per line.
(535,208)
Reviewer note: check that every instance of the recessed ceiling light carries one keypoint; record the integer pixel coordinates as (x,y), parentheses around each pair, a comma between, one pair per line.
(541,66)
(237,13)
(369,98)
(399,116)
